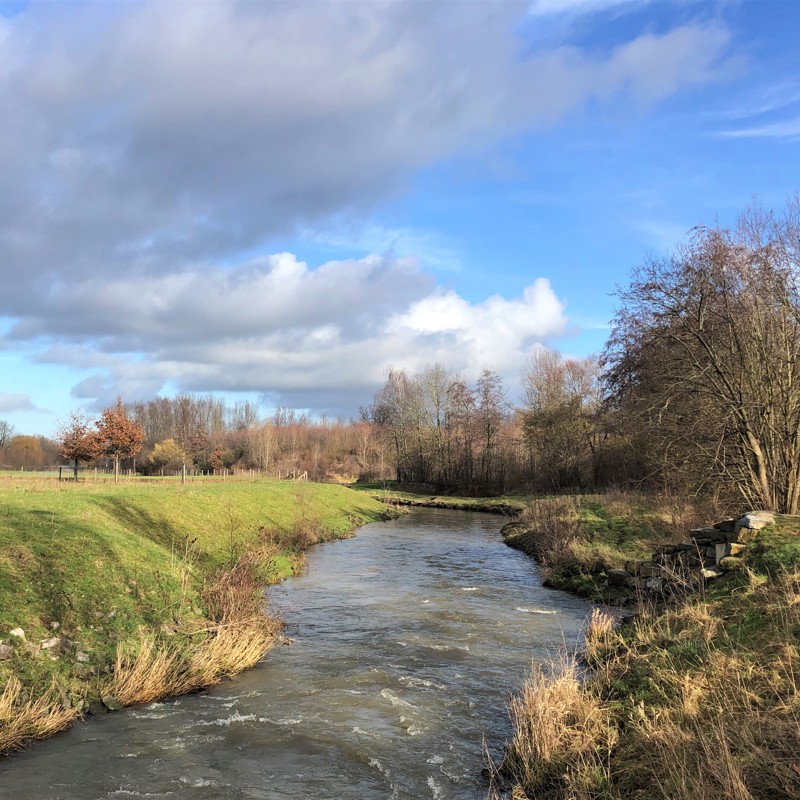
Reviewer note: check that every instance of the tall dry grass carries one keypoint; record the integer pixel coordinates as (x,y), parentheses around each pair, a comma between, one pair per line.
(562,736)
(698,702)
(23,718)
(236,637)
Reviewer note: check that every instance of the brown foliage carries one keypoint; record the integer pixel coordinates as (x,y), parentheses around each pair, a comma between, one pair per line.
(119,436)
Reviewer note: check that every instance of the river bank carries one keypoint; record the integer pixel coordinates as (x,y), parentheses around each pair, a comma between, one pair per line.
(690,700)
(117,595)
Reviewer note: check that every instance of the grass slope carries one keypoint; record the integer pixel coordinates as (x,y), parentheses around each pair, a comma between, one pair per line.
(695,701)
(101,566)
(393,493)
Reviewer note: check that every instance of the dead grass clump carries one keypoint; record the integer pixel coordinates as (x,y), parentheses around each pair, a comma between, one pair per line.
(237,636)
(562,736)
(555,523)
(145,673)
(23,718)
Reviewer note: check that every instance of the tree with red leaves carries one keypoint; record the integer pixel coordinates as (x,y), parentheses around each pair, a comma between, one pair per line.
(78,441)
(120,437)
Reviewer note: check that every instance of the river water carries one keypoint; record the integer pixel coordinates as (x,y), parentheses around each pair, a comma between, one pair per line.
(408,640)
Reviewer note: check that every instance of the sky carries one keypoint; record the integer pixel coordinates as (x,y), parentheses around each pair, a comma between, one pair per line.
(279,201)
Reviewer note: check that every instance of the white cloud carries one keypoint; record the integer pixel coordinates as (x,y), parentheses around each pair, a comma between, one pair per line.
(785,129)
(547,8)
(15,402)
(278,327)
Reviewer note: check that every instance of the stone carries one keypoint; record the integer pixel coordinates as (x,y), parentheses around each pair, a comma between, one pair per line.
(96,707)
(666,549)
(81,657)
(730,563)
(111,703)
(710,574)
(755,520)
(718,551)
(650,570)
(726,525)
(18,632)
(6,652)
(54,645)
(736,548)
(703,533)
(704,541)
(55,625)
(654,584)
(619,577)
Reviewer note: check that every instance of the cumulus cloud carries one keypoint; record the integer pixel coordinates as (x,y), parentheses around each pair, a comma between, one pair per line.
(149,149)
(15,402)
(281,328)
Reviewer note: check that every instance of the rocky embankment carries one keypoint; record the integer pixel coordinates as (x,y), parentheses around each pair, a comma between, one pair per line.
(706,555)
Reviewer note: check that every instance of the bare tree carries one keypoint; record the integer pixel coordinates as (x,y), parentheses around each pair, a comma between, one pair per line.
(6,433)
(705,353)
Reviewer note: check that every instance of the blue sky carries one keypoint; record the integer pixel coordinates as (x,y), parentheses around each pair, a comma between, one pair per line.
(279,201)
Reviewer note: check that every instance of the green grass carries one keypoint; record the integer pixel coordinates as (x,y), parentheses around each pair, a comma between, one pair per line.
(104,561)
(390,492)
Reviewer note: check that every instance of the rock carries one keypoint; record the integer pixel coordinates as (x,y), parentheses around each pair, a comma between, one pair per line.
(755,521)
(54,645)
(18,632)
(667,549)
(726,525)
(96,707)
(654,584)
(650,571)
(710,574)
(730,563)
(619,577)
(81,657)
(6,652)
(55,625)
(111,703)
(703,533)
(736,548)
(718,551)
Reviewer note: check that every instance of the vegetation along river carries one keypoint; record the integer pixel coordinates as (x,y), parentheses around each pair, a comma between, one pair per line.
(408,640)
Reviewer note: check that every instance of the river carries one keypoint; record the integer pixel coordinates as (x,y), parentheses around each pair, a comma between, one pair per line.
(407,641)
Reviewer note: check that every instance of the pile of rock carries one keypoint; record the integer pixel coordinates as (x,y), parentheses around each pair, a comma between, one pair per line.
(708,553)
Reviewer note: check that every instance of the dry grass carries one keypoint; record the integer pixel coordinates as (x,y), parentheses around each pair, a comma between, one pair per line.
(236,638)
(562,735)
(698,702)
(23,718)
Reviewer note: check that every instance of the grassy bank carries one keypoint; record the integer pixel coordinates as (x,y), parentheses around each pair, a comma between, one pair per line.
(391,493)
(577,539)
(133,592)
(694,702)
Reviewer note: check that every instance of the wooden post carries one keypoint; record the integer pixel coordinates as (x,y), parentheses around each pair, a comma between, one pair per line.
(183,473)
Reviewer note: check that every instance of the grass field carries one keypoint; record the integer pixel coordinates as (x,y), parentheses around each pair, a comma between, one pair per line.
(104,566)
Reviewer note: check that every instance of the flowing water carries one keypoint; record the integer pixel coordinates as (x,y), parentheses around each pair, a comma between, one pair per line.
(408,640)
